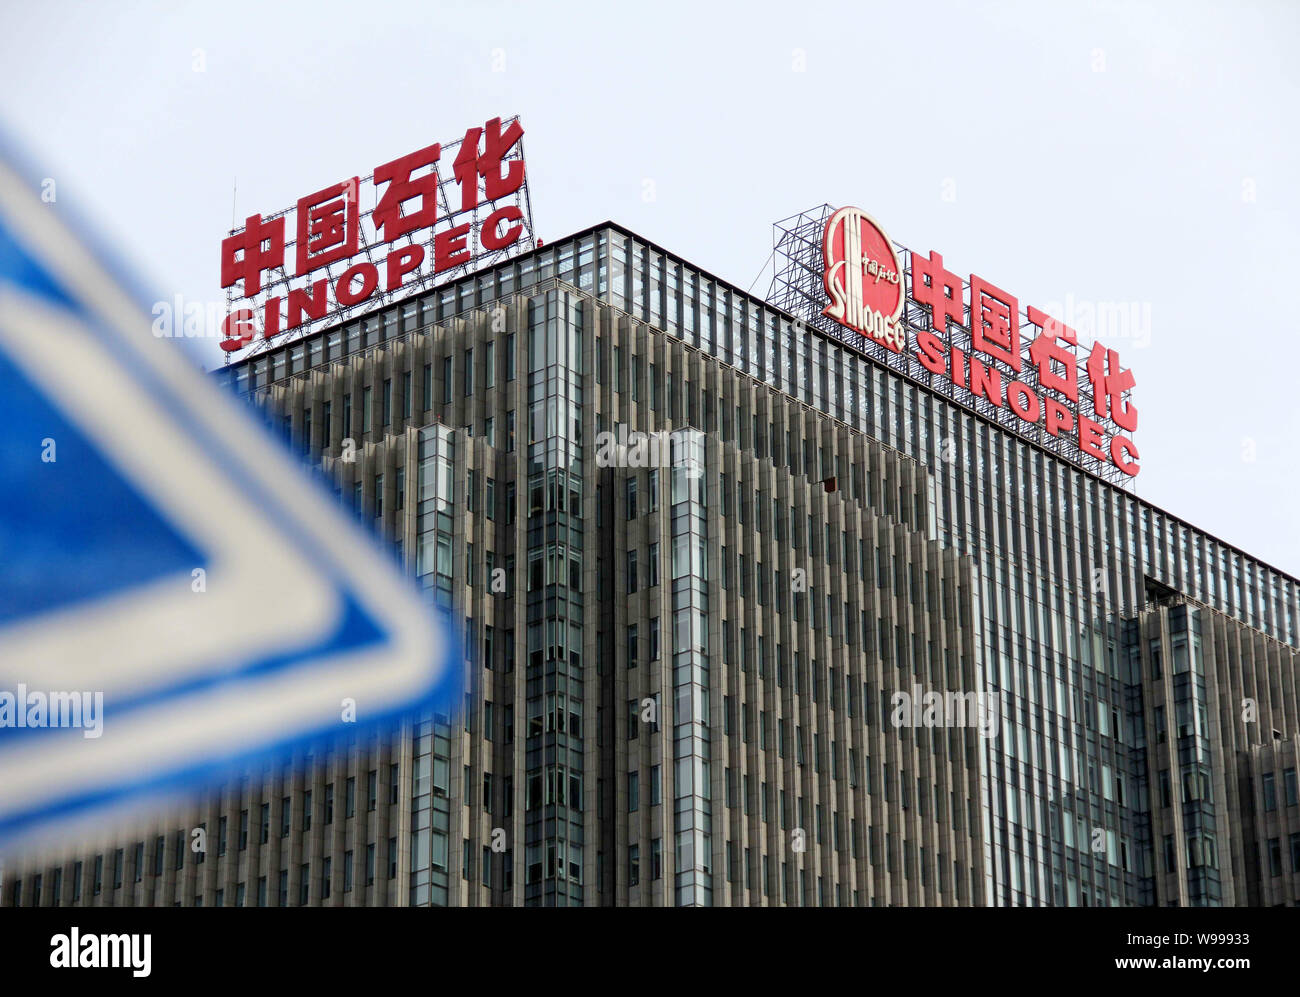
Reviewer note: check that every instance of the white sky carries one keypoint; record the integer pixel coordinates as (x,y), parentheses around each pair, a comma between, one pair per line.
(1137,154)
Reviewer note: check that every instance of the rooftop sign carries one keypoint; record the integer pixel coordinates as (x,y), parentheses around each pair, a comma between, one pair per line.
(336,258)
(968,340)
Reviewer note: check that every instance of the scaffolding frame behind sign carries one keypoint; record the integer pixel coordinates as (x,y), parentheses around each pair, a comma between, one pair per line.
(798,288)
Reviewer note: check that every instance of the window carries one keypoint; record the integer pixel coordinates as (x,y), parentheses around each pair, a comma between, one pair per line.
(630,496)
(347,871)
(243,829)
(350,797)
(264,830)
(387,402)
(633,865)
(329,804)
(1270,792)
(286,811)
(372,789)
(632,651)
(653,565)
(1289,788)
(325,878)
(469,372)
(631,571)
(633,791)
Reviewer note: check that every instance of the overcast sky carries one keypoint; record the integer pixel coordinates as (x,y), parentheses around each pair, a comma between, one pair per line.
(1138,156)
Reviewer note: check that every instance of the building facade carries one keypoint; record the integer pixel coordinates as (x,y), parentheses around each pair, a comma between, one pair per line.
(685,647)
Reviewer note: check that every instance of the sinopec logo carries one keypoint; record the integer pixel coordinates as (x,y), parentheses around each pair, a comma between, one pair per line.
(863,278)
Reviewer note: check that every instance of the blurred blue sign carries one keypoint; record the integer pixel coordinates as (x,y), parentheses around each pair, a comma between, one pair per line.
(177,595)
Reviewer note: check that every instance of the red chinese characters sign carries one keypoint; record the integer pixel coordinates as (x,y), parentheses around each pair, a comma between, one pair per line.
(1040,383)
(423,227)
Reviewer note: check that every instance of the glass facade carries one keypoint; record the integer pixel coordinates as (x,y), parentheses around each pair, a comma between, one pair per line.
(430,777)
(692,817)
(553,821)
(1061,559)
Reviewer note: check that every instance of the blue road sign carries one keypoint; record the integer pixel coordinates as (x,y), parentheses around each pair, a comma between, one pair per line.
(177,594)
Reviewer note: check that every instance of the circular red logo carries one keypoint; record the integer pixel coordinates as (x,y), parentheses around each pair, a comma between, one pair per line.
(862,277)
